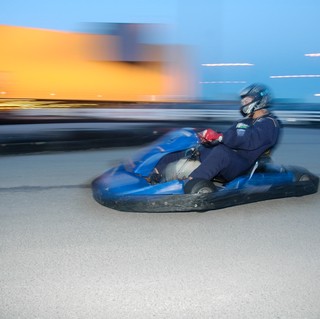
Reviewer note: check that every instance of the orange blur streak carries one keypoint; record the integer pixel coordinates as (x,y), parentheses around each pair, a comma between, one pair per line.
(44,64)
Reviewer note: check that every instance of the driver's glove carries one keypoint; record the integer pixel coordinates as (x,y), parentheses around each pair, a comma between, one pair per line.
(209,135)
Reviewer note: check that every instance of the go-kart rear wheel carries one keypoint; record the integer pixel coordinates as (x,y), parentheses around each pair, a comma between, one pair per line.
(199,186)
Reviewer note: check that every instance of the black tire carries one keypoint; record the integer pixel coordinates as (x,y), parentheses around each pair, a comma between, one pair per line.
(301,174)
(199,186)
(303,178)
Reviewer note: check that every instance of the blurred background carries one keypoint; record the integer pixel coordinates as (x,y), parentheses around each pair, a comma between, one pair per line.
(82,71)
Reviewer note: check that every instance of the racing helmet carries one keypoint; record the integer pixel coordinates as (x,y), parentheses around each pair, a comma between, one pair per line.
(261,98)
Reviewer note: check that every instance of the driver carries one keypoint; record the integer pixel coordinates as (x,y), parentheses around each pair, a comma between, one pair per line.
(233,152)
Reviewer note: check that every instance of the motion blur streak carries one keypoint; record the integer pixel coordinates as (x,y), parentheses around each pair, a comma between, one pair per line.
(46,64)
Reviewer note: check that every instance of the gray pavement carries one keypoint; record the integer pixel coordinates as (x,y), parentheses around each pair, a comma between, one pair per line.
(62,255)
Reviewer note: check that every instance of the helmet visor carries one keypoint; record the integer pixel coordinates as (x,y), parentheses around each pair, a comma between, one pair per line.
(246,100)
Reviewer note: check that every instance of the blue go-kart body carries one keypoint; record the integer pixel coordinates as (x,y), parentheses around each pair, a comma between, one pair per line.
(127,187)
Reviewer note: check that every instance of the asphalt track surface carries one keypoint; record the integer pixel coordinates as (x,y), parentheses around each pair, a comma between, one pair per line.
(65,256)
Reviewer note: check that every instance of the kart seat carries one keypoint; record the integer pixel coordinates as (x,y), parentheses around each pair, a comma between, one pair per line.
(264,164)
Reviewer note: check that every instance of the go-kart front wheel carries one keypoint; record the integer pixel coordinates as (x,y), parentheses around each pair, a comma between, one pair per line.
(199,186)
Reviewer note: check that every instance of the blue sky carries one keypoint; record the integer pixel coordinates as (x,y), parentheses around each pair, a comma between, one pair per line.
(272,36)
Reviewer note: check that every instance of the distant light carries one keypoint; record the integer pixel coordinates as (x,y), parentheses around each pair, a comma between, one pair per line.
(99,95)
(295,76)
(317,94)
(3,93)
(312,54)
(223,82)
(52,94)
(226,64)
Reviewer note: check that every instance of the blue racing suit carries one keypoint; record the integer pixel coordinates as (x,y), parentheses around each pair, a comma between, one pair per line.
(241,146)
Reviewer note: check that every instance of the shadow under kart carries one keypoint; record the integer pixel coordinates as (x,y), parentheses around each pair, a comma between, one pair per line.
(128,188)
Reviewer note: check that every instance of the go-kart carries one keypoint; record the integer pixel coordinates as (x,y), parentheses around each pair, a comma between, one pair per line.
(129,186)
